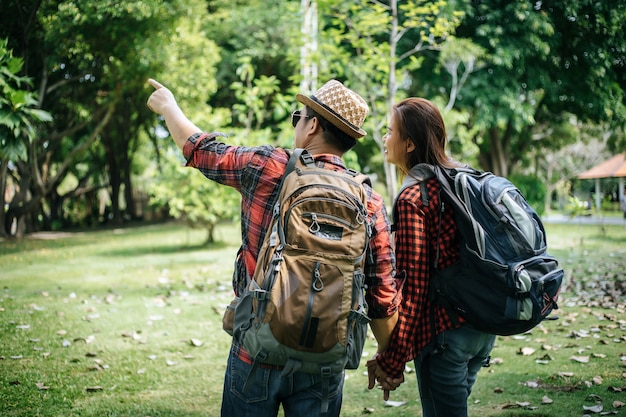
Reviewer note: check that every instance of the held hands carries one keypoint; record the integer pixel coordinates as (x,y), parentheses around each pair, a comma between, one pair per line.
(376,374)
(161,98)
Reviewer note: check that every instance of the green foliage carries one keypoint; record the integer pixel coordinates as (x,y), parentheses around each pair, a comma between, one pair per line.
(531,80)
(533,189)
(189,196)
(19,112)
(576,207)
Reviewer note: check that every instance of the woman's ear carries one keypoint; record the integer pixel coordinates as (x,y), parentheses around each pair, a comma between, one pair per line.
(410,146)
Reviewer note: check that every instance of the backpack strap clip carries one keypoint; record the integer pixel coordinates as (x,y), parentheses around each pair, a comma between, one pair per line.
(306,158)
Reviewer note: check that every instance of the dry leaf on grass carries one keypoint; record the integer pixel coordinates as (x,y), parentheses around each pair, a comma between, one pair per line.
(41,386)
(526,351)
(593,408)
(390,403)
(546,400)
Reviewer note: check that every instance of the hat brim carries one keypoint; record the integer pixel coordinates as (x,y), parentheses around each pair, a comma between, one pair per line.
(328,114)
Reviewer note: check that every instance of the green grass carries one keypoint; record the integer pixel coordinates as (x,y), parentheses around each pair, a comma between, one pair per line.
(101,323)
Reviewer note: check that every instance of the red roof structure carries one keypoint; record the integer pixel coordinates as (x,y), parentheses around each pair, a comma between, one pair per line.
(613,167)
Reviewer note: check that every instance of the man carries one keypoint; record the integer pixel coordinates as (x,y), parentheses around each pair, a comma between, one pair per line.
(327,127)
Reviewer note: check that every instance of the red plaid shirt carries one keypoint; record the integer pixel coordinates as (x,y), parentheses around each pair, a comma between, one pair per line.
(256,173)
(417,228)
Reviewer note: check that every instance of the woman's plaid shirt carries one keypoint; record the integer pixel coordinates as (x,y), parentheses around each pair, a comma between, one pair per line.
(256,173)
(416,237)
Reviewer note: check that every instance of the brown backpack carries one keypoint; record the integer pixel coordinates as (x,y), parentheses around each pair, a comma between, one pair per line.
(305,306)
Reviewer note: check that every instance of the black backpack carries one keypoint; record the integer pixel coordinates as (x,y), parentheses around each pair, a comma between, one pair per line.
(505,282)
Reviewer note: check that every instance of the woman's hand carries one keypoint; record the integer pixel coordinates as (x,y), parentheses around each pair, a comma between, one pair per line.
(376,374)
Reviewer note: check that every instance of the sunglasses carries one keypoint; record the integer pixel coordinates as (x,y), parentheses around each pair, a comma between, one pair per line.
(295,117)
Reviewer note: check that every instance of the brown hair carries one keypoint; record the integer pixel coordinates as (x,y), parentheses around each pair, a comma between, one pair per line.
(420,121)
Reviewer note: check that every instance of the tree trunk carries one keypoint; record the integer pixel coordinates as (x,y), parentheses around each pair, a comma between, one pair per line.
(4,168)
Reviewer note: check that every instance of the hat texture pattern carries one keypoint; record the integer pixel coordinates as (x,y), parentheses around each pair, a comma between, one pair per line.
(339,105)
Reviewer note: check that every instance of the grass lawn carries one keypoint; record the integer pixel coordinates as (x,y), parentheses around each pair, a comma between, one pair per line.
(127,322)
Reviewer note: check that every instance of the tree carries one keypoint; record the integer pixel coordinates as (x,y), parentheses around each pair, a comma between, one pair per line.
(543,64)
(380,45)
(19,116)
(190,197)
(89,61)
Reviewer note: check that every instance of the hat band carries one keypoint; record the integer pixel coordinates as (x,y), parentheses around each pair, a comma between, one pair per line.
(340,117)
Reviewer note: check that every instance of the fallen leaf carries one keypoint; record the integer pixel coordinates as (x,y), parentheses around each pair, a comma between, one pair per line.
(546,400)
(95,388)
(593,408)
(526,351)
(618,404)
(390,403)
(597,380)
(581,359)
(531,384)
(41,386)
(195,342)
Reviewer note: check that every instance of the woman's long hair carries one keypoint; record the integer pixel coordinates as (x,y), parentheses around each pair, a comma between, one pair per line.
(420,121)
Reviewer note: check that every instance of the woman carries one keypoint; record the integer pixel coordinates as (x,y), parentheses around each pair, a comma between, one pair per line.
(448,353)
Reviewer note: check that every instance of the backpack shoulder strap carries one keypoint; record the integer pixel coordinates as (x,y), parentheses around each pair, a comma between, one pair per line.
(417,175)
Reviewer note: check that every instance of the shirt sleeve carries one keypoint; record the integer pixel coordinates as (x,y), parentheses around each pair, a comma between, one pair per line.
(412,257)
(382,295)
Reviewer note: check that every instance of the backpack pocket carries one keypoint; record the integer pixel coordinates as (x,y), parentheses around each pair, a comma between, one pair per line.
(538,282)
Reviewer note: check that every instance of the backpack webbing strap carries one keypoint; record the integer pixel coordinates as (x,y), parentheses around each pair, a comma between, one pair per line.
(307,159)
(435,284)
(418,175)
(291,367)
(258,359)
(326,373)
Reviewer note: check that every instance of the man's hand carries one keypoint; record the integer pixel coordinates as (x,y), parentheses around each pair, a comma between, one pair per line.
(161,98)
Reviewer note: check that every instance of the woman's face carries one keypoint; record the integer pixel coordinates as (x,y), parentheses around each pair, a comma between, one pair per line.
(396,148)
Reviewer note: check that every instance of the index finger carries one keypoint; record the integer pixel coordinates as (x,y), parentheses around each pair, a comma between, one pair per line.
(155,84)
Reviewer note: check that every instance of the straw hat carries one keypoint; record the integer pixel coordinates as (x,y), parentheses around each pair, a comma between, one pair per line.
(339,105)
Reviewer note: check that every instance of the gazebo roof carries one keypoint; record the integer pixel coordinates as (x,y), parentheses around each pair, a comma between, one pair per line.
(613,167)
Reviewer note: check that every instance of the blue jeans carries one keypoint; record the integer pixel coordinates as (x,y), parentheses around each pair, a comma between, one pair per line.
(300,394)
(446,374)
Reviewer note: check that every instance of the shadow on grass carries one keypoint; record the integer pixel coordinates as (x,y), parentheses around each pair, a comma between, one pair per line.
(165,249)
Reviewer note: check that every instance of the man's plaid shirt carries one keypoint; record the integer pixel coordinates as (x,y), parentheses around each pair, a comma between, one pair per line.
(256,173)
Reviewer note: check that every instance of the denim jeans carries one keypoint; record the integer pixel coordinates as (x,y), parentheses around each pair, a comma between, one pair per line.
(300,394)
(447,371)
